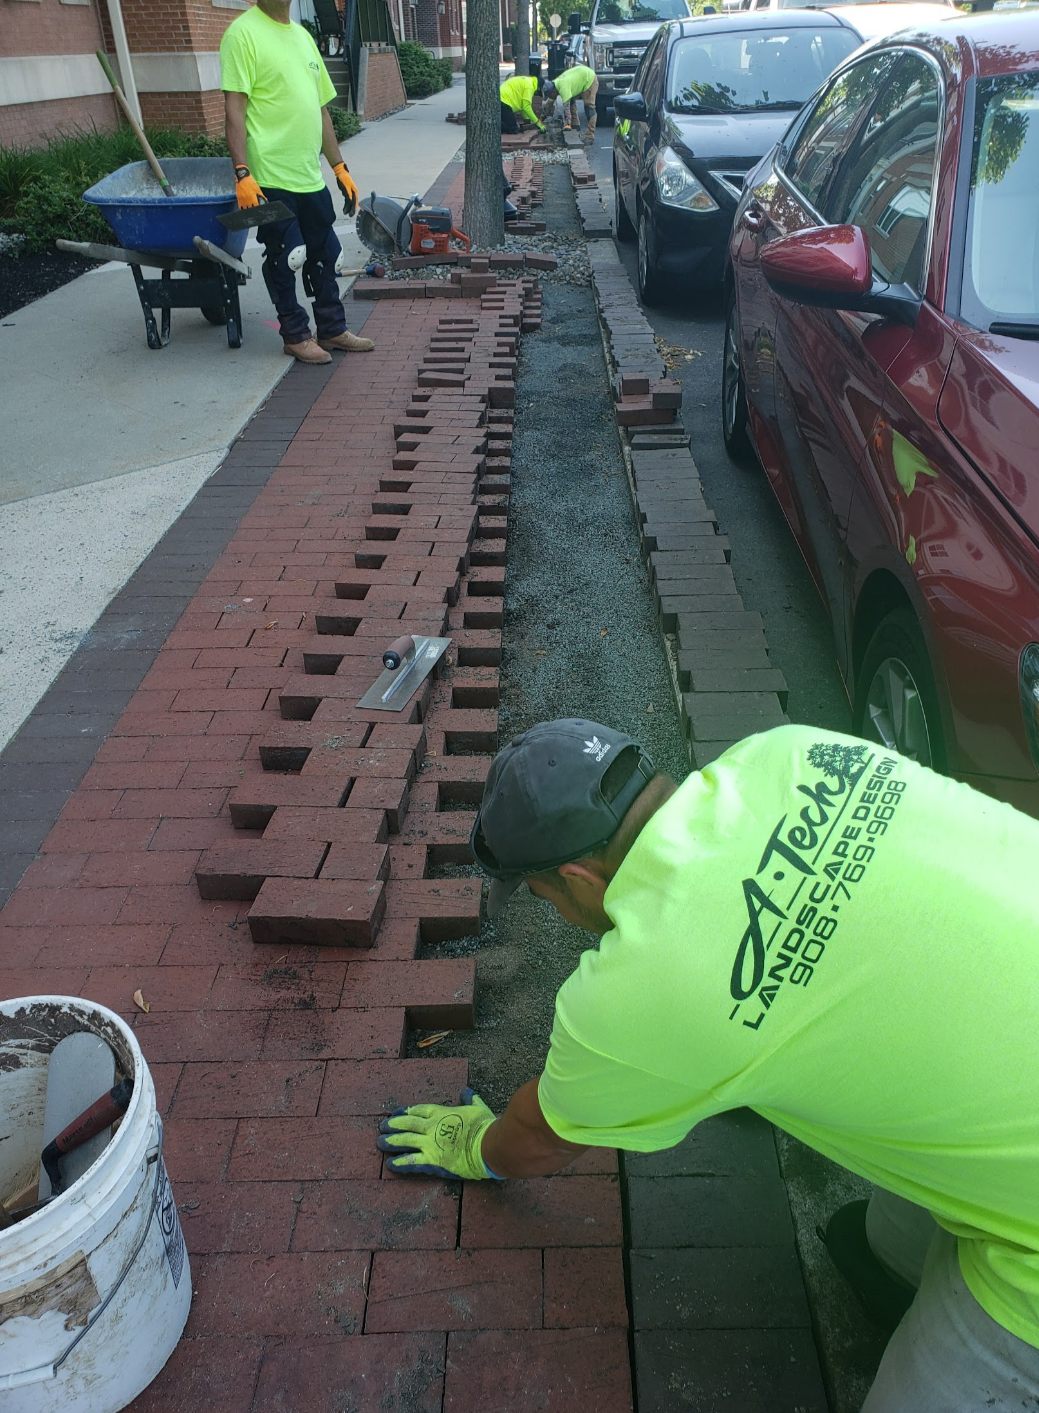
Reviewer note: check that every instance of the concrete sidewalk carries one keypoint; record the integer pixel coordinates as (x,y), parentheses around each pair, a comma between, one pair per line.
(106,442)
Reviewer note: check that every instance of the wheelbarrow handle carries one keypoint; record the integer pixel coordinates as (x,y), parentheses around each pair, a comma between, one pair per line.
(128,113)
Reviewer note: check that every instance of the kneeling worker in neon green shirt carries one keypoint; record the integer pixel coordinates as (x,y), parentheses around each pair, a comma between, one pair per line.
(824,932)
(517,97)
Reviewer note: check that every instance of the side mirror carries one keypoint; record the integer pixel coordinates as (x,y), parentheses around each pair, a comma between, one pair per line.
(830,267)
(631,106)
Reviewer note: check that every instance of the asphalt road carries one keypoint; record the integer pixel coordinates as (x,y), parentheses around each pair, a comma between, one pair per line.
(774,581)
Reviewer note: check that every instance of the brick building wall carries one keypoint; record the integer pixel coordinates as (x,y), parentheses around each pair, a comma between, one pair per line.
(384,89)
(48,48)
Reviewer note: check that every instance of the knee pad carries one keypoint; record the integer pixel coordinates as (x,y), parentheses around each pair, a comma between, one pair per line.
(297,257)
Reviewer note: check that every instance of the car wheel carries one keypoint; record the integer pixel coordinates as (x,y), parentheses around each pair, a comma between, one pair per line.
(896,703)
(622,227)
(734,391)
(651,289)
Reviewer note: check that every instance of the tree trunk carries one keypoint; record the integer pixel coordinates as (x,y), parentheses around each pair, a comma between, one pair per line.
(522,36)
(484,200)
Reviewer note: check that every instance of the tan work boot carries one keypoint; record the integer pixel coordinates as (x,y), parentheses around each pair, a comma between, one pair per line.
(348,342)
(307,352)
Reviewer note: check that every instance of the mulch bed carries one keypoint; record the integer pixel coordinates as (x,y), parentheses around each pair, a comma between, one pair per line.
(27,277)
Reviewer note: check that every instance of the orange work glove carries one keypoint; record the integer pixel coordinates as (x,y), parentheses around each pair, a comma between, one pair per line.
(346,185)
(247,188)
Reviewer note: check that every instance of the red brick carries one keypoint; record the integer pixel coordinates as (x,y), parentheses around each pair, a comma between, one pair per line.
(141,867)
(584,1288)
(434,993)
(203,1375)
(377,1086)
(454,1290)
(327,913)
(357,861)
(376,1374)
(288,983)
(200,1035)
(99,836)
(164,902)
(197,1150)
(282,1088)
(42,981)
(445,907)
(287,1295)
(139,946)
(329,826)
(538,1371)
(388,795)
(133,775)
(237,1216)
(284,1150)
(561,1211)
(407,1215)
(253,803)
(185,834)
(305,1034)
(238,868)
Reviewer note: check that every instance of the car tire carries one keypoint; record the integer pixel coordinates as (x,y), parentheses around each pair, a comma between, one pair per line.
(896,703)
(735,434)
(622,226)
(651,286)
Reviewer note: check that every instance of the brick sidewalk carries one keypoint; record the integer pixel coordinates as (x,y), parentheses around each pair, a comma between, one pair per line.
(281,998)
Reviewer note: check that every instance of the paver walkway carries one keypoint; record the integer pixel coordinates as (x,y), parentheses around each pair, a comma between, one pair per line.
(320,1282)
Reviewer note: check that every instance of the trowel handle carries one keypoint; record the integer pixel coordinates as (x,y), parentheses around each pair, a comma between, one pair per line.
(101,1114)
(397,651)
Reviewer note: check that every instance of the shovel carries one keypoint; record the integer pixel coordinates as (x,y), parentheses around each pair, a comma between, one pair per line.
(262,215)
(128,114)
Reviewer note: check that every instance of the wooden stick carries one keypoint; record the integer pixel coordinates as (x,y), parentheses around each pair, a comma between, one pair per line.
(128,113)
(128,257)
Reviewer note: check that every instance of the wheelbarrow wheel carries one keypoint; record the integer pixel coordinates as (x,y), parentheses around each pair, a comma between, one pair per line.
(214,314)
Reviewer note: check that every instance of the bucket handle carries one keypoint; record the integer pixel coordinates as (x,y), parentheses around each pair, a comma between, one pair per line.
(50,1371)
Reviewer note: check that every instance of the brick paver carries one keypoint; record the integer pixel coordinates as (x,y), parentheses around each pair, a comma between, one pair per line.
(263,861)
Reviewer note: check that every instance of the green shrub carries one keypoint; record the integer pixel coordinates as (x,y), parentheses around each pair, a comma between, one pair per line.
(41,189)
(345,121)
(422,74)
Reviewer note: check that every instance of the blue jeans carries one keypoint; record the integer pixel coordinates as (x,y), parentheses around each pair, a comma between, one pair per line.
(311,226)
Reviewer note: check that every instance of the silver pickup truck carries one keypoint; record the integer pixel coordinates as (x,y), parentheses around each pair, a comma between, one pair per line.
(613,43)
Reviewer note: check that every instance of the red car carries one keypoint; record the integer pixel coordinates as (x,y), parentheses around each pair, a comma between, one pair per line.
(882,358)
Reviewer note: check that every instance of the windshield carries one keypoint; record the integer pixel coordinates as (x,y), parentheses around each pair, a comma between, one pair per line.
(1001,268)
(637,12)
(743,71)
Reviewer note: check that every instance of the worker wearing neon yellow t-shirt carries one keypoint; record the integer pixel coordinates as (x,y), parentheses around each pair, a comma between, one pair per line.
(578,82)
(517,97)
(276,91)
(815,928)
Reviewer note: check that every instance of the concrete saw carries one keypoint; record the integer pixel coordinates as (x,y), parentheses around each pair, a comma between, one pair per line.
(390,228)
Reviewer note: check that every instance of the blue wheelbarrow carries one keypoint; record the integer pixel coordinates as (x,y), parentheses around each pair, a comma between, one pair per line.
(180,236)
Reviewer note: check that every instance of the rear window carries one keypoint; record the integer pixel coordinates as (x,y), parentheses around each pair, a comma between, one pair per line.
(748,71)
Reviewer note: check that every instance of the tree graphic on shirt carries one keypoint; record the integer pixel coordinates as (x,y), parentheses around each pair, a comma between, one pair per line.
(835,759)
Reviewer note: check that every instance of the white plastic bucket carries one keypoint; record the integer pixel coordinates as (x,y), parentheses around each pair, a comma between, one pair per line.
(95,1287)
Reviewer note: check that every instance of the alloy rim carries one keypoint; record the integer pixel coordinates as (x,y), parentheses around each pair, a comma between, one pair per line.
(895,713)
(730,374)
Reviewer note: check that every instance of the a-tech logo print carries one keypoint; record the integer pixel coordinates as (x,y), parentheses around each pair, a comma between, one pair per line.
(595,748)
(816,861)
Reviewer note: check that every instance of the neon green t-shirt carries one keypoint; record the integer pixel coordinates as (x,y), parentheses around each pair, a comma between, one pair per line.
(848,944)
(517,94)
(571,83)
(280,69)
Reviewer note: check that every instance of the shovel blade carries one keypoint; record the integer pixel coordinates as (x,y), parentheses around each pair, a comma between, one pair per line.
(261,215)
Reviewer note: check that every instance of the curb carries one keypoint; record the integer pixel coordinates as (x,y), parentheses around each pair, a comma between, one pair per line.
(725,682)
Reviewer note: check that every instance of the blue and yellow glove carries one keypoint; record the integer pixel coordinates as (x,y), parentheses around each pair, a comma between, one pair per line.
(436,1140)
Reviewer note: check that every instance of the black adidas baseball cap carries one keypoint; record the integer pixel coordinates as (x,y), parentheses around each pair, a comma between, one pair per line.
(554,794)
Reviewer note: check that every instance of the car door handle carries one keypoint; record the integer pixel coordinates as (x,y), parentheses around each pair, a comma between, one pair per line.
(753,218)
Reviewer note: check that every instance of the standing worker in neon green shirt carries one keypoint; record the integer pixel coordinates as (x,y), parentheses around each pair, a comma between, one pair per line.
(572,84)
(517,96)
(276,92)
(824,932)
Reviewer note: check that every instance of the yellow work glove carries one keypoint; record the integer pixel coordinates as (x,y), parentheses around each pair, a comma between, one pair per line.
(437,1140)
(346,185)
(247,189)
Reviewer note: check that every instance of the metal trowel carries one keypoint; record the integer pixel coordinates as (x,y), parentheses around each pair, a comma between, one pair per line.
(262,215)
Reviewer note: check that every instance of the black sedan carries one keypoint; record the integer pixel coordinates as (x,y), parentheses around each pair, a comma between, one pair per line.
(710,98)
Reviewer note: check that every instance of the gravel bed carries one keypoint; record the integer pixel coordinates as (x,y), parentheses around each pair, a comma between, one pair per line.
(570,251)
